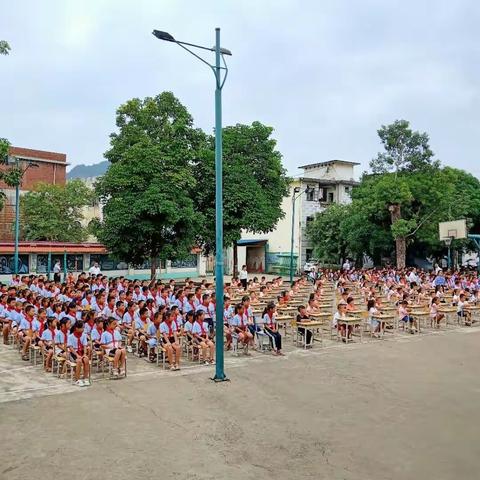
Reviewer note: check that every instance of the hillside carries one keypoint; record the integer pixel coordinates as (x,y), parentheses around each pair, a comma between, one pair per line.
(87,171)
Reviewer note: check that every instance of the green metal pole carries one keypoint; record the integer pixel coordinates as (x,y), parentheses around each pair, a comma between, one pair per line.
(219,367)
(17,223)
(49,264)
(65,265)
(292,238)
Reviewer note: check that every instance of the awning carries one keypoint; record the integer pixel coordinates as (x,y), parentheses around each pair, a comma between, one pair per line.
(251,243)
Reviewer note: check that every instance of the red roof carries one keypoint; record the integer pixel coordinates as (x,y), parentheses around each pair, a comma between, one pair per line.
(53,247)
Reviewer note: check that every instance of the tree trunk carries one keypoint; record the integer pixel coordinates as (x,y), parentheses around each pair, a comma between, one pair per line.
(400,242)
(235,259)
(153,268)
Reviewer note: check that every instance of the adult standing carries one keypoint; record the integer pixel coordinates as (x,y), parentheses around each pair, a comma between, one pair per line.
(94,269)
(243,276)
(57,268)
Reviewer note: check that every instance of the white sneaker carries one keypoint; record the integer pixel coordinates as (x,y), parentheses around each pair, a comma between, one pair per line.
(86,383)
(79,383)
(129,349)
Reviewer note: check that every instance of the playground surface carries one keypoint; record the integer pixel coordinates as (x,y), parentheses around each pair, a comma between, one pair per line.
(404,408)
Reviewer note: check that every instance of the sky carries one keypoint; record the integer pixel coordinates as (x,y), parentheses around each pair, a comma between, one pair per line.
(324,74)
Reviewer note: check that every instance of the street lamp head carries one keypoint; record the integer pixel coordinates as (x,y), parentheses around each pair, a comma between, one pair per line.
(223,51)
(163,36)
(296,189)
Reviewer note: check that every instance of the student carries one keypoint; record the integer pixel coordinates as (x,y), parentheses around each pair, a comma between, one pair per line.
(249,314)
(153,332)
(302,316)
(461,312)
(11,320)
(77,349)
(403,316)
(341,314)
(111,342)
(271,328)
(238,325)
(28,330)
(200,335)
(48,342)
(435,316)
(372,311)
(170,340)
(203,307)
(141,323)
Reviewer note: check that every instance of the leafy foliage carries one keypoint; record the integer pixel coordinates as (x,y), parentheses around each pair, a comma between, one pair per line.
(147,189)
(254,181)
(4,47)
(54,212)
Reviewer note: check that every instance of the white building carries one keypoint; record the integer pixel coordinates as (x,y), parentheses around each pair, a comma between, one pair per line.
(328,182)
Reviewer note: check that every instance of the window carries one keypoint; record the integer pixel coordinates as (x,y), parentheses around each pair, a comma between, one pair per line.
(310,194)
(188,262)
(7,264)
(308,254)
(330,197)
(323,195)
(309,219)
(347,189)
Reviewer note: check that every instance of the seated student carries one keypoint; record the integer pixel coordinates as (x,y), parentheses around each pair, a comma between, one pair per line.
(351,304)
(375,324)
(126,327)
(28,330)
(204,307)
(312,306)
(111,342)
(48,342)
(11,320)
(461,312)
(96,335)
(202,339)
(302,316)
(88,322)
(177,318)
(249,314)
(77,351)
(153,332)
(141,323)
(227,315)
(238,325)
(403,316)
(435,316)
(168,330)
(341,314)
(271,328)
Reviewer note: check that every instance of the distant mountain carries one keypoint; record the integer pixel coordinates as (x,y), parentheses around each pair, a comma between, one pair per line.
(87,171)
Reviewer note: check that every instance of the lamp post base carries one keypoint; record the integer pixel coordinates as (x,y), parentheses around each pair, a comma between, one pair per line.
(220,379)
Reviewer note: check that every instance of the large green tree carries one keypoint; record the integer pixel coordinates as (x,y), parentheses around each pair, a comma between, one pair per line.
(54,212)
(147,190)
(406,152)
(4,47)
(254,183)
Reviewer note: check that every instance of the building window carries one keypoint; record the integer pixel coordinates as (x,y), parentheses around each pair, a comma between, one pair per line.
(188,262)
(309,220)
(347,189)
(308,254)
(330,197)
(323,195)
(310,194)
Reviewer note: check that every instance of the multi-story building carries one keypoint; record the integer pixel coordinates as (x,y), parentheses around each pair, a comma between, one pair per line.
(317,187)
(50,167)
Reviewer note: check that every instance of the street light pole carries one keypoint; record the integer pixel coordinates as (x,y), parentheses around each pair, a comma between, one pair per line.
(219,82)
(17,221)
(297,191)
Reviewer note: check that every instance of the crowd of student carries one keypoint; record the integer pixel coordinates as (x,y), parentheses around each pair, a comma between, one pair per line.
(92,314)
(112,317)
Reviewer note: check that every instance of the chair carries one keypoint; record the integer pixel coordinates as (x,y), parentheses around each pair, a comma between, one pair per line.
(261,338)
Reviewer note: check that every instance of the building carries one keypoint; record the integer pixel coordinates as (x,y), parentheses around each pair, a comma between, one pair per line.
(50,168)
(328,183)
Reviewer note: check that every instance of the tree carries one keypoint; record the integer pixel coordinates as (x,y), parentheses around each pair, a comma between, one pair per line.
(254,182)
(4,47)
(148,210)
(406,152)
(54,212)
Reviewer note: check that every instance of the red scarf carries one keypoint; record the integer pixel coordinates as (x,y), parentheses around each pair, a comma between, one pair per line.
(52,331)
(64,337)
(170,329)
(78,335)
(42,327)
(112,333)
(202,329)
(91,324)
(271,324)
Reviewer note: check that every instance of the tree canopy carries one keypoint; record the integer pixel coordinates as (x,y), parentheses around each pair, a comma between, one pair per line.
(397,208)
(254,180)
(4,47)
(147,190)
(54,212)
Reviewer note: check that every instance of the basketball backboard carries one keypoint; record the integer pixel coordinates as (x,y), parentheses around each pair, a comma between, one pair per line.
(455,229)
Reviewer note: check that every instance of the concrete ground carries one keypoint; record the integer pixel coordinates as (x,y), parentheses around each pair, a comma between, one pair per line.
(403,408)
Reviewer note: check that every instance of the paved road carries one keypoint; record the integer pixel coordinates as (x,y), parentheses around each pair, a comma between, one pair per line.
(399,409)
